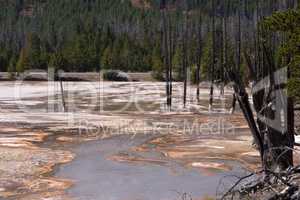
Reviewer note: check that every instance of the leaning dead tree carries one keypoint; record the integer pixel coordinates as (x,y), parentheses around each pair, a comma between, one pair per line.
(273,127)
(271,118)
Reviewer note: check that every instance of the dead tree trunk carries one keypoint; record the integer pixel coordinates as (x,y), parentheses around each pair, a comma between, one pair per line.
(239,40)
(273,129)
(62,94)
(224,46)
(243,100)
(222,59)
(199,56)
(166,50)
(211,96)
(185,56)
(57,75)
(238,53)
(171,49)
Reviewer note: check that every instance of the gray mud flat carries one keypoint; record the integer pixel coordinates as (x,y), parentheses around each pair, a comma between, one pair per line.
(98,178)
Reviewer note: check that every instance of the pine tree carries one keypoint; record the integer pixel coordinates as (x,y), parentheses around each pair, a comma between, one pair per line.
(207,58)
(125,55)
(107,58)
(177,63)
(157,64)
(288,23)
(22,63)
(116,58)
(33,48)
(12,66)
(81,54)
(56,62)
(3,60)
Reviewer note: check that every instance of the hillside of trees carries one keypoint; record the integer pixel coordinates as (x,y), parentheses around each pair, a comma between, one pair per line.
(88,35)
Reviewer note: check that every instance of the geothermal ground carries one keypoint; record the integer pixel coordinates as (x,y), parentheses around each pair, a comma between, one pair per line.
(117,141)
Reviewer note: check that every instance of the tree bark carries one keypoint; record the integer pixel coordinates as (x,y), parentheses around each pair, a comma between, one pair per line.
(211,96)
(224,46)
(199,56)
(185,56)
(170,63)
(166,50)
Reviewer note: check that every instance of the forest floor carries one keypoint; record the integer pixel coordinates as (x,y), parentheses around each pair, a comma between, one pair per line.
(36,136)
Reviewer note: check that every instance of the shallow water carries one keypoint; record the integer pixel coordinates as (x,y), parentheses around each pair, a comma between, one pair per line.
(98,178)
(95,176)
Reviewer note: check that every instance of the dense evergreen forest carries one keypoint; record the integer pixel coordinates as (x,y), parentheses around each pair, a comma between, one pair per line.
(88,35)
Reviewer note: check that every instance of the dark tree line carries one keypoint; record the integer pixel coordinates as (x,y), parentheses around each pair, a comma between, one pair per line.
(83,35)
